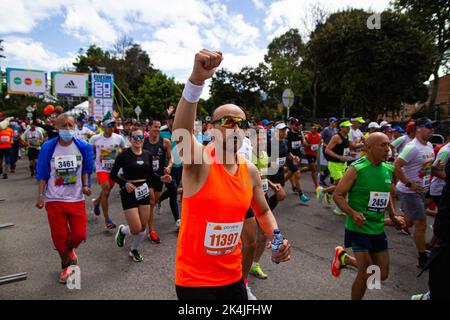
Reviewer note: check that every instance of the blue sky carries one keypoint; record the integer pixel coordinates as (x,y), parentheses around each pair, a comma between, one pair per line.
(47,34)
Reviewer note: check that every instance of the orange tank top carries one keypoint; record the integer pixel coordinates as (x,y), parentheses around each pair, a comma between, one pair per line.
(6,138)
(209,246)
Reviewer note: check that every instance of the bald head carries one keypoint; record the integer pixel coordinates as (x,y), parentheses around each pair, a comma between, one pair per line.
(376,138)
(378,147)
(228,110)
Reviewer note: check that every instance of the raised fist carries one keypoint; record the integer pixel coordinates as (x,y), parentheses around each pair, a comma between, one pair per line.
(205,65)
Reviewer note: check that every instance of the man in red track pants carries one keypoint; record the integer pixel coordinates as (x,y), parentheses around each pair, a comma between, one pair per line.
(63,170)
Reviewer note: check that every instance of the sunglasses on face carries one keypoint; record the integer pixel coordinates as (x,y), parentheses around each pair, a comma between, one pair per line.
(231,122)
(138,137)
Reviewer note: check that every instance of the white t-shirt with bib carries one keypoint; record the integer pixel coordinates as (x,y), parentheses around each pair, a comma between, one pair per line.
(418,158)
(106,150)
(65,183)
(356,137)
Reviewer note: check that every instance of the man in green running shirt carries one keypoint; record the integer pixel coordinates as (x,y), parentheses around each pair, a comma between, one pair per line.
(368,183)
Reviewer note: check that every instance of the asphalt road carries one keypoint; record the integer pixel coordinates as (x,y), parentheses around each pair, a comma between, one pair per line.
(108,273)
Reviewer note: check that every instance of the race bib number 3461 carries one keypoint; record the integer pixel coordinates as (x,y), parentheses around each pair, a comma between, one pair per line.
(222,238)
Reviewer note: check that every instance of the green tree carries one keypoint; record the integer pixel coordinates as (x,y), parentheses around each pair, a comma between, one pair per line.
(243,88)
(128,62)
(369,71)
(283,66)
(433,17)
(156,93)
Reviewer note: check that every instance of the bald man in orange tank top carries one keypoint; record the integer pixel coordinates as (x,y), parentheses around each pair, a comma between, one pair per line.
(219,187)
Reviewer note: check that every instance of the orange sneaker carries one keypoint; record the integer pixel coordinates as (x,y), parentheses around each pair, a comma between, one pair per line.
(337,266)
(153,236)
(63,275)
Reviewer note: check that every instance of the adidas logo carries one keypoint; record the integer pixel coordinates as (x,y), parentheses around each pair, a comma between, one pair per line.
(70,85)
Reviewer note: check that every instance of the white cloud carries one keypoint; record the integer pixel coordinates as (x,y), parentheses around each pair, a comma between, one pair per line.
(87,25)
(285,14)
(26,53)
(259,4)
(24,15)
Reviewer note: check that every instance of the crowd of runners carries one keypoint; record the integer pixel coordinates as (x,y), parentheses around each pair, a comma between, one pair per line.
(360,169)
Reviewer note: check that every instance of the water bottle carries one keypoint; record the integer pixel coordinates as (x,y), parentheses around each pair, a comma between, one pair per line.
(277,242)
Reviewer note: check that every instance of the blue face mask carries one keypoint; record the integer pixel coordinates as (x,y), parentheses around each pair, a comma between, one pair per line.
(66,135)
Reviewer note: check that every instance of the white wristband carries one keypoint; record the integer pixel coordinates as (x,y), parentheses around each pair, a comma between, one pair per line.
(192,92)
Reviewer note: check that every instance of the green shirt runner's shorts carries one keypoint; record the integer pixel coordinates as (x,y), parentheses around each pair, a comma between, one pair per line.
(337,169)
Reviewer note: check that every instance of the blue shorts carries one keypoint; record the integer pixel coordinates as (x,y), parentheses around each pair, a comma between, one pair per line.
(361,242)
(6,153)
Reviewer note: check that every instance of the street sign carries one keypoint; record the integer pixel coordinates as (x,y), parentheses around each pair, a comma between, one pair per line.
(288,98)
(138,111)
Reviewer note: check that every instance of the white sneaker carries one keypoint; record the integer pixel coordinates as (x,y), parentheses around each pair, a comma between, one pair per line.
(250,295)
(177,224)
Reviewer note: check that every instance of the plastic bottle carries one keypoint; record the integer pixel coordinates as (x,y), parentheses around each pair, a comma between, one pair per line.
(277,242)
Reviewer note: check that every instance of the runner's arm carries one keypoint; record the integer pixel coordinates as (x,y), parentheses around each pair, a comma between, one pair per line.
(115,170)
(343,188)
(204,68)
(168,148)
(259,204)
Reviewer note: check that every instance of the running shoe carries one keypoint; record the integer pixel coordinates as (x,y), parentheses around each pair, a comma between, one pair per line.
(177,224)
(120,237)
(136,256)
(319,194)
(73,257)
(337,265)
(96,207)
(63,275)
(422,261)
(337,211)
(304,198)
(421,296)
(257,272)
(109,225)
(153,236)
(250,295)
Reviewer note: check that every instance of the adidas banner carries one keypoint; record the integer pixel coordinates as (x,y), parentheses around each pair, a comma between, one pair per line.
(70,84)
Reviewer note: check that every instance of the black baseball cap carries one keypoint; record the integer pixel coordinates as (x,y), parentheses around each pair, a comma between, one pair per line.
(426,122)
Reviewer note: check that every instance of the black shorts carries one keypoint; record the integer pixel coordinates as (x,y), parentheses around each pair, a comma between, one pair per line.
(129,200)
(234,291)
(33,153)
(291,165)
(311,158)
(156,184)
(361,242)
(278,178)
(250,214)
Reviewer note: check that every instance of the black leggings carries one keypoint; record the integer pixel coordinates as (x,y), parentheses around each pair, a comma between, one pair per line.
(171,193)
